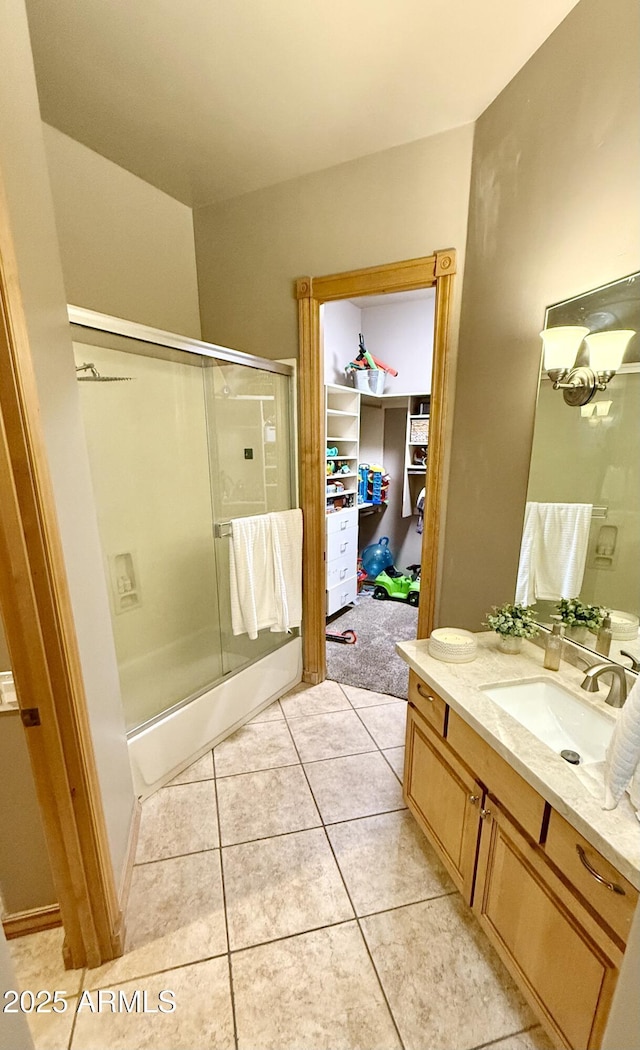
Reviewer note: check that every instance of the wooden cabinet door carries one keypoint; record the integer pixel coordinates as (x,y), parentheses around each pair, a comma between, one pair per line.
(565,963)
(444,798)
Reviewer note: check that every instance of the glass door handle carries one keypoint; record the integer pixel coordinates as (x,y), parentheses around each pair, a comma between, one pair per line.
(222,529)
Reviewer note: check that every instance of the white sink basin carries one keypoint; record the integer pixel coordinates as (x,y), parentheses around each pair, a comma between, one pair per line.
(555,716)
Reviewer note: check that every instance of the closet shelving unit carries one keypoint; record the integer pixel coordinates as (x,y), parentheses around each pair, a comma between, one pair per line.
(417,438)
(342,431)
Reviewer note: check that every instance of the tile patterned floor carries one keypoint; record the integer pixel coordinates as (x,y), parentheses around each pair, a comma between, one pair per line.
(285,895)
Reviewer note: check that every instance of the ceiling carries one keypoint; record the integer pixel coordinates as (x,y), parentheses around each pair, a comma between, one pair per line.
(209,99)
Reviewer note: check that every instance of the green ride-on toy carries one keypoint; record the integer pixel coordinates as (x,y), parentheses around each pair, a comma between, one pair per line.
(390,584)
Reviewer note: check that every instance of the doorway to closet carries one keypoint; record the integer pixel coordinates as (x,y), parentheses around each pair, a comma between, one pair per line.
(376,451)
(332,311)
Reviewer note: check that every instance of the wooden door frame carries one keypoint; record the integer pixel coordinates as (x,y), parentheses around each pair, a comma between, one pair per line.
(42,643)
(432,271)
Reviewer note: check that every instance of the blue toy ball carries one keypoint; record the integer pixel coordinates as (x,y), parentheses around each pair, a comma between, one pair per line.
(376,558)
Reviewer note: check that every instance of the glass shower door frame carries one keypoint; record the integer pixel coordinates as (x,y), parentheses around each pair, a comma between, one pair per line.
(86,327)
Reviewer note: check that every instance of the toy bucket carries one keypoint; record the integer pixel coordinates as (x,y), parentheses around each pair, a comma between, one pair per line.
(369,380)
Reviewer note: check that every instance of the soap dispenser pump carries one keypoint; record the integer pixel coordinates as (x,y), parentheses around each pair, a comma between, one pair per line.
(553,648)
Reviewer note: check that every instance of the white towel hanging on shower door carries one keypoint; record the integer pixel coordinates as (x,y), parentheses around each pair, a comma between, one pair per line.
(265,572)
(251,577)
(286,545)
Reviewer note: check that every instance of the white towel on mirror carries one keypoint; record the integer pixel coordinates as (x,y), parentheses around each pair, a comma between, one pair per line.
(553,552)
(251,576)
(561,549)
(623,752)
(286,539)
(525,586)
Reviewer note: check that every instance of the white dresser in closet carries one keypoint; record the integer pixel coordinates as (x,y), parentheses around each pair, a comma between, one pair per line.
(342,559)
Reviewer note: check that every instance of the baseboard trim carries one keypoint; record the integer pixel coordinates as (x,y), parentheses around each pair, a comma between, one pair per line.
(33,921)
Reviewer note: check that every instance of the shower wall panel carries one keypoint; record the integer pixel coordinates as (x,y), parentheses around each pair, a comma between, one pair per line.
(147,440)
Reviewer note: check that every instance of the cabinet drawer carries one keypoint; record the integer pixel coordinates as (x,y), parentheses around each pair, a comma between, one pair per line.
(340,569)
(565,846)
(341,521)
(523,803)
(344,543)
(429,704)
(343,594)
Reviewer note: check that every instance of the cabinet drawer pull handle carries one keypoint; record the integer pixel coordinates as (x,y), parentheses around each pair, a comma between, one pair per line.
(473,799)
(424,694)
(613,886)
(343,526)
(485,814)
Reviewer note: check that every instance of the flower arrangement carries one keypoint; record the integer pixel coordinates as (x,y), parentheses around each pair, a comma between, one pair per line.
(575,613)
(515,621)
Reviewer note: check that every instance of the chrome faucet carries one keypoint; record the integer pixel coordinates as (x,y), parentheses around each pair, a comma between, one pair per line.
(618,692)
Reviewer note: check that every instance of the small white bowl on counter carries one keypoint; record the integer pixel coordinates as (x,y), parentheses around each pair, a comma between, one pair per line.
(453,645)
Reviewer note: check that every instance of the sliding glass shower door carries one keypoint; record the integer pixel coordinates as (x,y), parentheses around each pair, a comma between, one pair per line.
(180,442)
(249,427)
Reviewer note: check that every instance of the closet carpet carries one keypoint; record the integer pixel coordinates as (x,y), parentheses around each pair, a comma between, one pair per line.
(372,663)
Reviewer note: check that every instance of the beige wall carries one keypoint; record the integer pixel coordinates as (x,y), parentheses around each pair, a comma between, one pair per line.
(398,204)
(554,212)
(24,171)
(127,248)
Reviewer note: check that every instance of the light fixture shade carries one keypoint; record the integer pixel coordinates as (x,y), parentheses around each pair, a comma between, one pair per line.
(561,345)
(606,349)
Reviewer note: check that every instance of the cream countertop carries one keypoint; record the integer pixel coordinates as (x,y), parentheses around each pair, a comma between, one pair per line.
(576,792)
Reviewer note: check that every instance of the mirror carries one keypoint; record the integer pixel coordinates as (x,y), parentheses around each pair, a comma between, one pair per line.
(581,535)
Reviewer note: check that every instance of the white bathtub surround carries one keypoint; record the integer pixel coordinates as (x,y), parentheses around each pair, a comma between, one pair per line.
(576,792)
(158,752)
(623,754)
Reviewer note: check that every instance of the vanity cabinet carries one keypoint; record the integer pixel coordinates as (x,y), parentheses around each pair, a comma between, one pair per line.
(560,929)
(445,799)
(563,960)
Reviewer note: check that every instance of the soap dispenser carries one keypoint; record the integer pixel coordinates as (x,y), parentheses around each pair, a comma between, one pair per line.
(605,634)
(553,648)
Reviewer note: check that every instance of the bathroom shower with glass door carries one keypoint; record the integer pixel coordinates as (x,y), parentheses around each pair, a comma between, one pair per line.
(183,437)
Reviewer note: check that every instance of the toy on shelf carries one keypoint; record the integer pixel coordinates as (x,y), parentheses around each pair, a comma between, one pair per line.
(377,485)
(363,475)
(367,371)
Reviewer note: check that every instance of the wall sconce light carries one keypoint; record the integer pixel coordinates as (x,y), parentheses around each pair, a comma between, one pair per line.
(561,345)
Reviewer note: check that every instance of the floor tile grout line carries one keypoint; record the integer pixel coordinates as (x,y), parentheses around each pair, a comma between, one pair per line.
(364,941)
(308,762)
(240,773)
(175,856)
(365,816)
(379,746)
(509,1035)
(394,771)
(273,940)
(226,917)
(247,772)
(186,783)
(346,889)
(156,973)
(276,834)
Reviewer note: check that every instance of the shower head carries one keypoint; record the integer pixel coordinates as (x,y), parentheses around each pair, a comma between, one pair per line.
(95,376)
